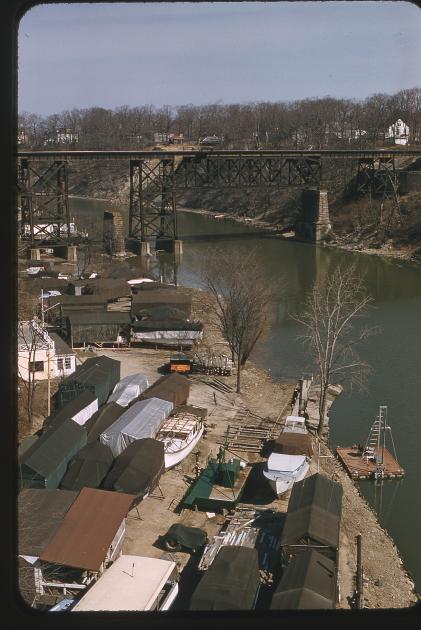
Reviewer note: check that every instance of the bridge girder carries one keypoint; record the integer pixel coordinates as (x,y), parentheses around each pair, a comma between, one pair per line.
(44,201)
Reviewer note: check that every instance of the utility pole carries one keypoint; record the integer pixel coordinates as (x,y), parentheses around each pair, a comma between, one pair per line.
(48,383)
(359,589)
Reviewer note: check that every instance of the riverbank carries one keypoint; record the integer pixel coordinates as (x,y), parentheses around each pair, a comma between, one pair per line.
(385,251)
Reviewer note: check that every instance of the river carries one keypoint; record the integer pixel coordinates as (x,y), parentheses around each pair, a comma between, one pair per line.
(394,354)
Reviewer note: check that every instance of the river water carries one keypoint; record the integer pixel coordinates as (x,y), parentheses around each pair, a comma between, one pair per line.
(394,354)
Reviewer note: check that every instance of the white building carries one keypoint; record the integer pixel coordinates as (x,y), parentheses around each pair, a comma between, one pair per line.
(42,354)
(399,132)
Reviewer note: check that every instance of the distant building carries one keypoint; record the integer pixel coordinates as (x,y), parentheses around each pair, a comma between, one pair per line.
(161,138)
(399,132)
(62,136)
(212,140)
(22,136)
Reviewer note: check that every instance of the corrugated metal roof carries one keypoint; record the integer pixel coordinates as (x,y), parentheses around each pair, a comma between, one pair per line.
(84,537)
(40,513)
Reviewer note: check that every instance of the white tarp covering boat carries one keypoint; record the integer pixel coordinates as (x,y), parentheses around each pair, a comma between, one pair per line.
(129,388)
(295,424)
(169,337)
(141,420)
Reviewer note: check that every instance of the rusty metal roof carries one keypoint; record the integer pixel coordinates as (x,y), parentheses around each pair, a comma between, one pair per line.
(89,527)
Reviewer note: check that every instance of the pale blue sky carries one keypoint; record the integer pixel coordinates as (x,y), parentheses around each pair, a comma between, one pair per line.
(107,55)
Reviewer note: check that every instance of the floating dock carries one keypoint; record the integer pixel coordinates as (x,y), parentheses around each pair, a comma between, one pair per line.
(362,467)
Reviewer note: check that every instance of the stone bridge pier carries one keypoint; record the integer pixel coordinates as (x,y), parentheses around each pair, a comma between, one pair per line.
(313,224)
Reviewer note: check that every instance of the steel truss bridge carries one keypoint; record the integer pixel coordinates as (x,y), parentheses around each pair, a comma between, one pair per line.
(156,177)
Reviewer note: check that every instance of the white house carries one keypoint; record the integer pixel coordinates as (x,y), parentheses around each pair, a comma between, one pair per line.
(399,132)
(42,354)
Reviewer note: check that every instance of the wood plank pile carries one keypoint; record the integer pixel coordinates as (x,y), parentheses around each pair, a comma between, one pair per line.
(249,432)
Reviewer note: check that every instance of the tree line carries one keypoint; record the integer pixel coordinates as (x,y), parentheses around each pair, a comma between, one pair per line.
(313,122)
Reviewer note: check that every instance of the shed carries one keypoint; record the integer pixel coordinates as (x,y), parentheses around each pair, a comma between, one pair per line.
(231,582)
(102,419)
(98,375)
(44,463)
(308,582)
(88,467)
(128,389)
(137,469)
(141,420)
(144,300)
(26,443)
(131,583)
(95,326)
(318,490)
(92,531)
(313,527)
(293,444)
(172,387)
(79,410)
(40,513)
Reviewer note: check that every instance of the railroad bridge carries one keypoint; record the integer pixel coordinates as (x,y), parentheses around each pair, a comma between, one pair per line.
(156,177)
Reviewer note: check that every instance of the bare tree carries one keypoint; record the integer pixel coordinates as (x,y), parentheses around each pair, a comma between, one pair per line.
(331,334)
(241,301)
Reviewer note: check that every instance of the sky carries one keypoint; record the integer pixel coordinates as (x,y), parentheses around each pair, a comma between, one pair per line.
(109,55)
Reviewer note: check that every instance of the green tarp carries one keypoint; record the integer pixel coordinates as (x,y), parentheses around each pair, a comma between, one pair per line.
(68,410)
(318,490)
(102,419)
(309,581)
(44,463)
(88,468)
(98,375)
(231,582)
(137,469)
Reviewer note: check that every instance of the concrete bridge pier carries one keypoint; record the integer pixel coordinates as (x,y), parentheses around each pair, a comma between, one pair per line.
(170,245)
(314,224)
(71,254)
(35,253)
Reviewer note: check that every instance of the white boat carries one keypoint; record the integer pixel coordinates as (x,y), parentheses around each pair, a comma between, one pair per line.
(180,434)
(283,471)
(295,424)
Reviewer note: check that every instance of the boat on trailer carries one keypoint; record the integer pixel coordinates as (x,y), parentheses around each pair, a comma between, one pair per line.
(180,433)
(282,471)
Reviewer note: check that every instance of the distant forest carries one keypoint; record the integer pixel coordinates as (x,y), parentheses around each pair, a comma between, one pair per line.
(310,123)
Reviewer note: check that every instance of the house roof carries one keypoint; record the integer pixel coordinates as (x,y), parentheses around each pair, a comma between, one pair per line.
(318,490)
(88,529)
(40,513)
(61,347)
(97,317)
(309,581)
(230,583)
(161,296)
(130,583)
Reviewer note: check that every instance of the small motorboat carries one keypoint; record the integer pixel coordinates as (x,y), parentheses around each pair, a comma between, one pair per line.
(283,471)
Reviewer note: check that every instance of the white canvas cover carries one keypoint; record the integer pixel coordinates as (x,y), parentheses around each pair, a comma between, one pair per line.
(130,583)
(285,463)
(129,388)
(295,424)
(141,420)
(168,335)
(84,414)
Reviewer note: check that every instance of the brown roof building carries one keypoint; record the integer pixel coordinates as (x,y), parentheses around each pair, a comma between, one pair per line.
(91,530)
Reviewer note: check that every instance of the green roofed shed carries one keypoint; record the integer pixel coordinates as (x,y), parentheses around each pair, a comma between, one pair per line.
(309,581)
(231,582)
(311,526)
(44,463)
(317,490)
(98,375)
(102,419)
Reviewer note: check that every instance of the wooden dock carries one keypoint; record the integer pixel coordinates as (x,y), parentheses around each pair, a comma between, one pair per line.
(359,467)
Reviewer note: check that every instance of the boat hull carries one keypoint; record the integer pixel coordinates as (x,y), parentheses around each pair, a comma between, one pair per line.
(283,482)
(174,457)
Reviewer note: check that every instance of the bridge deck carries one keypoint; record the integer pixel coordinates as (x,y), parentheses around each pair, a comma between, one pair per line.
(203,153)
